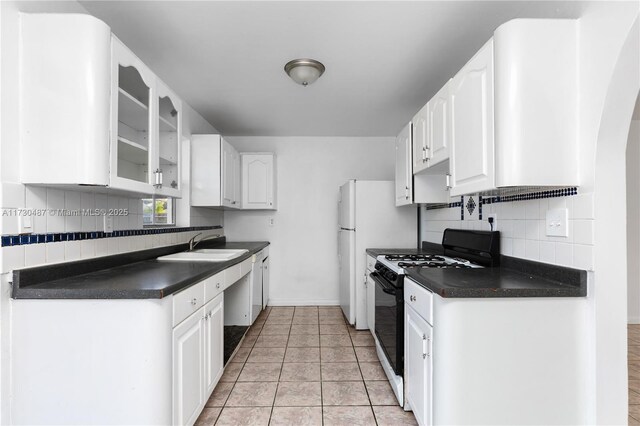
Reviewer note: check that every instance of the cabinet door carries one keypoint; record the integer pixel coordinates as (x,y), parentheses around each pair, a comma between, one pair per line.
(228,173)
(214,342)
(132,130)
(420,135)
(169,126)
(257,181)
(472,139)
(236,180)
(371,302)
(404,175)
(256,287)
(418,365)
(265,282)
(188,369)
(438,127)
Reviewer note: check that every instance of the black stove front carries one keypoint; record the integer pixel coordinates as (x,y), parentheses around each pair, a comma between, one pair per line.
(389,315)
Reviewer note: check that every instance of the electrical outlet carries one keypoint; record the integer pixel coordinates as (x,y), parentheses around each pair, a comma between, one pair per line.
(108,223)
(493,216)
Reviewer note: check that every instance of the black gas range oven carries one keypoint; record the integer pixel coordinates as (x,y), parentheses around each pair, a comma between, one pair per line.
(461,249)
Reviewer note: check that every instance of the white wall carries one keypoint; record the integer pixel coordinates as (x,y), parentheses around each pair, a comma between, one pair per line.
(15,195)
(633,223)
(303,238)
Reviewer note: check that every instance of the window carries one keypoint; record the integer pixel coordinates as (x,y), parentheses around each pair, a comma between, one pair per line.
(158,211)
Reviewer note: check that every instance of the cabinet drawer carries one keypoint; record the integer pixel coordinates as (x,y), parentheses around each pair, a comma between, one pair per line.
(419,298)
(245,267)
(232,274)
(213,286)
(187,302)
(371,263)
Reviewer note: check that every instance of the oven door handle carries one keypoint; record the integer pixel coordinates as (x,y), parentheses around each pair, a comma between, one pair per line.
(385,287)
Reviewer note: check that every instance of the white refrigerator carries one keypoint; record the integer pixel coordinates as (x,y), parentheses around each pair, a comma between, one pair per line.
(368,218)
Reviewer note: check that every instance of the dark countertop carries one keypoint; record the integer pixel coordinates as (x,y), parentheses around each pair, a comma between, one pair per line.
(144,279)
(513,278)
(427,248)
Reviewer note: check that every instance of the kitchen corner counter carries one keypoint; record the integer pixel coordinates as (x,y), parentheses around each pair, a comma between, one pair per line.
(137,275)
(514,278)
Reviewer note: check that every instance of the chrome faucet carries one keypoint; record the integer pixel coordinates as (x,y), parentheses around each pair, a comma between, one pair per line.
(193,243)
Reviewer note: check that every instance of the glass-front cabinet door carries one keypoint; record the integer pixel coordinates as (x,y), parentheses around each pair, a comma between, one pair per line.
(132,131)
(169,131)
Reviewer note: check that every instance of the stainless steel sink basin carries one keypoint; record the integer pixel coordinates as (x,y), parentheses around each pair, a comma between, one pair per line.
(205,255)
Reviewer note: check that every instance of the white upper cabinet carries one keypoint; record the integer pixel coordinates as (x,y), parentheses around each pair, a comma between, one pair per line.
(404,181)
(438,141)
(230,176)
(536,102)
(92,113)
(513,108)
(421,188)
(215,172)
(420,146)
(258,177)
(472,167)
(132,130)
(65,97)
(431,135)
(169,133)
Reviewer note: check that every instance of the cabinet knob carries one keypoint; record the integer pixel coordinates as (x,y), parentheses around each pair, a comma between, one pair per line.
(194,301)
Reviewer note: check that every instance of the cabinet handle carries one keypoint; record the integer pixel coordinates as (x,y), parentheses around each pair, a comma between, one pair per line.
(194,301)
(158,175)
(412,298)
(218,285)
(448,179)
(425,346)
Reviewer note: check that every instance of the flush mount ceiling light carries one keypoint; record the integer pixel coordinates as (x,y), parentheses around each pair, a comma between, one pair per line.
(304,71)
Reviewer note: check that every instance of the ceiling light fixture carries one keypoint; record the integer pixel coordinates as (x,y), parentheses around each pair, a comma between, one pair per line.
(304,71)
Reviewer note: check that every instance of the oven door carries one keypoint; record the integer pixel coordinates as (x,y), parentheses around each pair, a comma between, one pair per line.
(389,321)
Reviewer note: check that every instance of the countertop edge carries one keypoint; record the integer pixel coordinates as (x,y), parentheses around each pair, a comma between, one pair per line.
(28,293)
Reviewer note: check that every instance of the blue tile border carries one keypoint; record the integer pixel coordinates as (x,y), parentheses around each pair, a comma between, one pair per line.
(494,199)
(26,239)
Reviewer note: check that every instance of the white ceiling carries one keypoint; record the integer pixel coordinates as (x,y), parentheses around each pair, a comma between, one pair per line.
(384,60)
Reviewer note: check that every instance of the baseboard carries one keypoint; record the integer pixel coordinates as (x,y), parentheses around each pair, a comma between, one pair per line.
(633,320)
(302,302)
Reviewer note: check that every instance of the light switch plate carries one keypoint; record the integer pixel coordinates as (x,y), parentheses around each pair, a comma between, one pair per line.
(557,223)
(26,224)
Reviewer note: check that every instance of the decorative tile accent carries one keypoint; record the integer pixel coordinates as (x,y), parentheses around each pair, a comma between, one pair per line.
(25,239)
(471,205)
(493,199)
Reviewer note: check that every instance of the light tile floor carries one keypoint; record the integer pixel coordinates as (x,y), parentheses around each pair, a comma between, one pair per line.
(304,366)
(633,342)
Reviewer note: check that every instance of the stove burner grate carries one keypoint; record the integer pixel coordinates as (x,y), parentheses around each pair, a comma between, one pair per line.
(433,264)
(414,258)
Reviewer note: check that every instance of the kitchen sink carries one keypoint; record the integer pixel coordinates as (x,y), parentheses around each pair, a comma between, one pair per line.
(205,255)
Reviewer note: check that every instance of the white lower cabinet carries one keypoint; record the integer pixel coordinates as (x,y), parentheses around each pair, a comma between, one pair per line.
(188,369)
(418,365)
(213,342)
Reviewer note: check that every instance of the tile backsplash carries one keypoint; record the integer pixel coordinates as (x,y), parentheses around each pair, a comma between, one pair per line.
(63,237)
(522,225)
